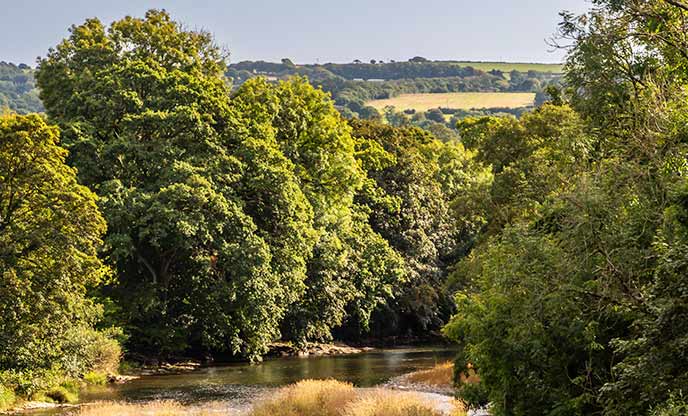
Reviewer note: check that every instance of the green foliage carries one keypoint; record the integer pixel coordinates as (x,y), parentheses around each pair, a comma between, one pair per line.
(32,383)
(85,351)
(129,367)
(62,394)
(532,159)
(675,406)
(414,179)
(574,300)
(96,378)
(236,220)
(547,356)
(351,269)
(159,152)
(50,229)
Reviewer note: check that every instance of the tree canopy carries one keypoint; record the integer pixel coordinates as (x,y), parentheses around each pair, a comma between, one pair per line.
(50,231)
(239,218)
(572,302)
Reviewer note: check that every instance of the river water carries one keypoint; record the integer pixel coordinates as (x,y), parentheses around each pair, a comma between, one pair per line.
(240,383)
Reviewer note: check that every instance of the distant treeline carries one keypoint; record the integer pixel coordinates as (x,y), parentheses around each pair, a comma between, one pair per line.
(349,84)
(386,71)
(352,85)
(17,89)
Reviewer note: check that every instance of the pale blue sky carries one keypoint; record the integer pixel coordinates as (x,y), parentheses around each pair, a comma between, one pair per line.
(311,30)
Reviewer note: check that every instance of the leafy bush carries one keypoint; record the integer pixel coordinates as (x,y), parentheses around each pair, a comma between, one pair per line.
(29,383)
(95,378)
(475,395)
(87,350)
(129,367)
(675,406)
(62,394)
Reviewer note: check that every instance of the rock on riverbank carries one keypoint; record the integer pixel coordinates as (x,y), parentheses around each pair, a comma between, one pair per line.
(285,349)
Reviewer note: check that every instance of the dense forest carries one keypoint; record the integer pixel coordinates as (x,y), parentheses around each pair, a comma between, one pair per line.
(158,210)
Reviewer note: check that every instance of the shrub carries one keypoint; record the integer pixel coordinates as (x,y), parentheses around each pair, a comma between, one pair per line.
(435,114)
(95,378)
(7,397)
(475,395)
(62,394)
(308,398)
(87,350)
(29,383)
(675,406)
(129,367)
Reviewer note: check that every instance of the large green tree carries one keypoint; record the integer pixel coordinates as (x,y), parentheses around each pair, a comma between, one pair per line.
(50,231)
(352,269)
(207,228)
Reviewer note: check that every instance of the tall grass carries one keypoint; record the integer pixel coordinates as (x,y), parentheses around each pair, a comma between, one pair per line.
(441,375)
(7,397)
(308,398)
(334,398)
(390,403)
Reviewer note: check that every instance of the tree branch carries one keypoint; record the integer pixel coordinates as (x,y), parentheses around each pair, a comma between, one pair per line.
(678,3)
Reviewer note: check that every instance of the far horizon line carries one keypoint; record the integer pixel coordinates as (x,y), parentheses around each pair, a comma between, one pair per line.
(276,61)
(364,61)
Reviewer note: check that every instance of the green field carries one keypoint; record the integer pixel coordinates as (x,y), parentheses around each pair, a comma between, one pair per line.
(457,100)
(510,66)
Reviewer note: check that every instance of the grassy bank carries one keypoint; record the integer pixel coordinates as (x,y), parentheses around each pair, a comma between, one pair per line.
(439,378)
(306,398)
(441,375)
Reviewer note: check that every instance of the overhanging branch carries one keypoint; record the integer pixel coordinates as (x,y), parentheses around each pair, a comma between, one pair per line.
(679,4)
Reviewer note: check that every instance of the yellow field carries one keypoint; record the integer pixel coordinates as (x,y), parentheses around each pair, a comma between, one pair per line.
(457,100)
(510,66)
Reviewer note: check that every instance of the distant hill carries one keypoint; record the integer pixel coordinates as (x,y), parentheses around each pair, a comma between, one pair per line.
(354,84)
(512,66)
(17,89)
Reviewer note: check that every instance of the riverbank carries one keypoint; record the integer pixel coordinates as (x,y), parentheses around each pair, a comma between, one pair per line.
(438,379)
(305,398)
(238,385)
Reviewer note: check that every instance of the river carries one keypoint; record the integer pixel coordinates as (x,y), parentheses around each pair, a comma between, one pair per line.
(236,385)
